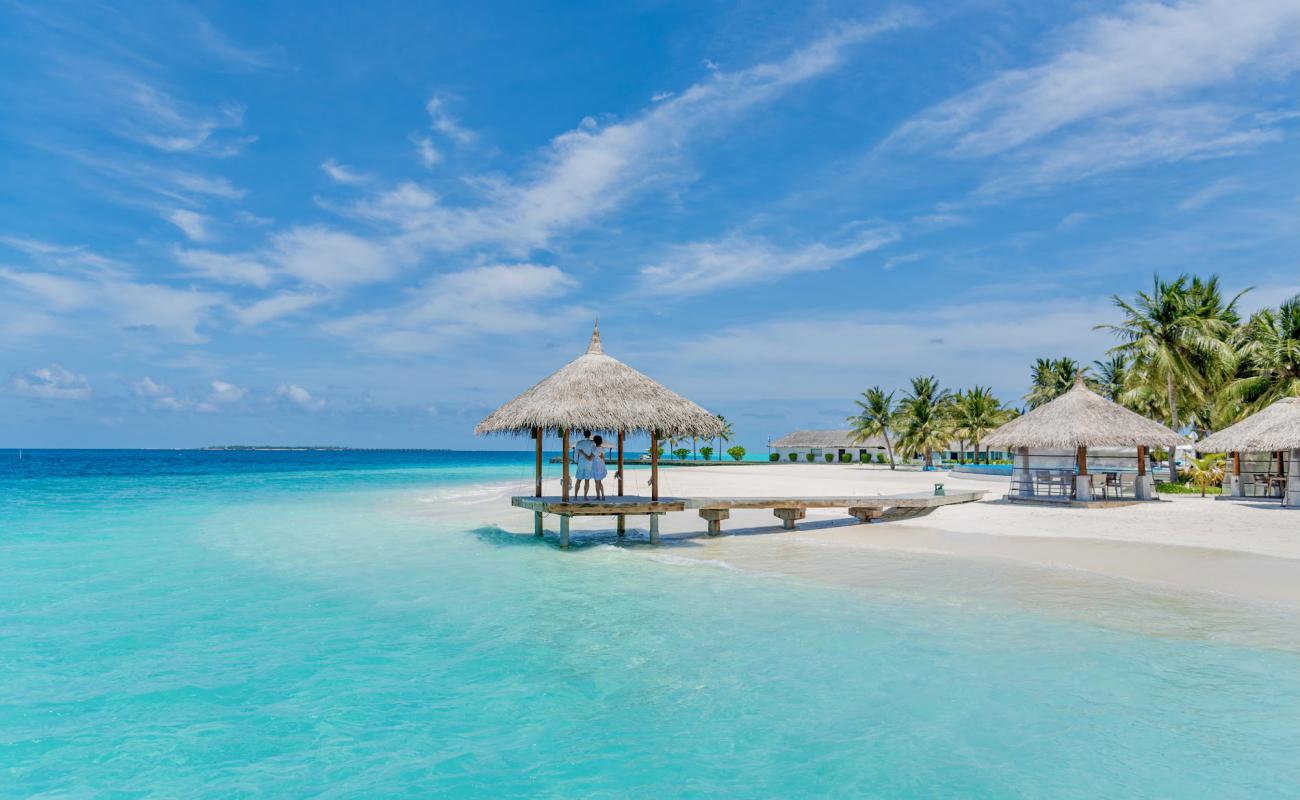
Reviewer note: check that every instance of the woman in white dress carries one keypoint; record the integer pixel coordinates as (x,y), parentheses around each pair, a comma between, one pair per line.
(598,470)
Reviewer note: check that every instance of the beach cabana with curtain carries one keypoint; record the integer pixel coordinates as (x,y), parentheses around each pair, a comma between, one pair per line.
(1274,432)
(1058,435)
(599,393)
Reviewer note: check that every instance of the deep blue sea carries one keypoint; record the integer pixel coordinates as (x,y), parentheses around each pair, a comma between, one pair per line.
(367,624)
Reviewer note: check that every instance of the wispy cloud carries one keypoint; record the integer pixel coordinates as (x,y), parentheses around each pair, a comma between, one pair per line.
(427,153)
(234,269)
(300,397)
(51,383)
(1123,90)
(441,120)
(193,224)
(739,259)
(498,299)
(341,174)
(276,307)
(590,170)
(1203,197)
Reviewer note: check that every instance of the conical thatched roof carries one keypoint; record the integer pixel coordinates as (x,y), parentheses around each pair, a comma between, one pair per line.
(1275,428)
(1081,418)
(600,393)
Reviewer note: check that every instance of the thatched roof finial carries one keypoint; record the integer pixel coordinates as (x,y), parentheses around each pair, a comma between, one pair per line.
(595,346)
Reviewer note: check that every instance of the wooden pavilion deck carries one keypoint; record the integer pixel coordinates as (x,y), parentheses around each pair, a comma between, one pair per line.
(877,508)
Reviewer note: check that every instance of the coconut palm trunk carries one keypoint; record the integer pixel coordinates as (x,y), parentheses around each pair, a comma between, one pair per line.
(1173,425)
(890,449)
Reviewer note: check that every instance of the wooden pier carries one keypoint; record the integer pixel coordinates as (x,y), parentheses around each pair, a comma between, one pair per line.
(714,510)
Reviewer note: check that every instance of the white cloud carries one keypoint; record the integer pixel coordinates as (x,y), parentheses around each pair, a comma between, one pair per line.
(299,397)
(57,292)
(1208,194)
(443,122)
(51,383)
(736,259)
(192,224)
(892,263)
(222,394)
(589,170)
(424,148)
(341,174)
(156,394)
(276,306)
(320,256)
(164,123)
(963,344)
(1120,92)
(204,185)
(175,313)
(502,299)
(132,306)
(239,270)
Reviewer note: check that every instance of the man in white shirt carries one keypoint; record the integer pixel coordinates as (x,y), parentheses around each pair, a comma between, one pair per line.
(584,453)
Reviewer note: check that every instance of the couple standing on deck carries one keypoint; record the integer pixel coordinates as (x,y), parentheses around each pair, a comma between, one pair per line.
(590,455)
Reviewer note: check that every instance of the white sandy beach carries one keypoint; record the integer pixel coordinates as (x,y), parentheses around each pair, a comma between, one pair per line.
(1245,550)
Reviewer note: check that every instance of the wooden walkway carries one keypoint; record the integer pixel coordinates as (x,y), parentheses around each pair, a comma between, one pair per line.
(713,510)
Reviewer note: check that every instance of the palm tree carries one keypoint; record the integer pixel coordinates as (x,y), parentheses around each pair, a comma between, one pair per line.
(925,419)
(725,435)
(1176,338)
(875,418)
(1053,377)
(976,413)
(1112,375)
(1270,354)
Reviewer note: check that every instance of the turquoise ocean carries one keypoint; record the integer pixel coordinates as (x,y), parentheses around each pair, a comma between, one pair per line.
(347,624)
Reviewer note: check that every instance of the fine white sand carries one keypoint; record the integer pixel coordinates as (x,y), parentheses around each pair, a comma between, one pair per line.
(1246,550)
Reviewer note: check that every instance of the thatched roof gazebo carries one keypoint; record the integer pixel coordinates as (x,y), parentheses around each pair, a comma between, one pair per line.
(1274,430)
(599,393)
(1076,421)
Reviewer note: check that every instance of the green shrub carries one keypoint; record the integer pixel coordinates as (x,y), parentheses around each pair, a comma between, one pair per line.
(681,453)
(707,452)
(881,458)
(771,456)
(737,453)
(830,457)
(792,456)
(1185,488)
(864,457)
(810,457)
(845,458)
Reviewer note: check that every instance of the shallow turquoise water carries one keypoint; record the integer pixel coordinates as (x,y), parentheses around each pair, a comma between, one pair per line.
(315,624)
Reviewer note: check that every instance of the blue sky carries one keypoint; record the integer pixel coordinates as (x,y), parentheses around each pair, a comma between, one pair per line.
(369,225)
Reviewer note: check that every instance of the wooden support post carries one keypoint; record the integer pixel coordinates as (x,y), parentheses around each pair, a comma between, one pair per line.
(714,516)
(654,465)
(789,515)
(564,530)
(622,525)
(1281,469)
(537,434)
(1142,460)
(654,529)
(1082,483)
(865,514)
(621,435)
(564,461)
(1236,462)
(537,524)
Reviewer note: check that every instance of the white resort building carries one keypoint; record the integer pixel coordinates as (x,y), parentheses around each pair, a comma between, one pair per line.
(840,446)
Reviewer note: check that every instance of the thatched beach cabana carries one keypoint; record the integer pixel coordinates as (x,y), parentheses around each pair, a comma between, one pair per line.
(1275,431)
(1072,423)
(602,394)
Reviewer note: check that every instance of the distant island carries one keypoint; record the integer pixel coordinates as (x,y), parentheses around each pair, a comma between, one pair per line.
(271,447)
